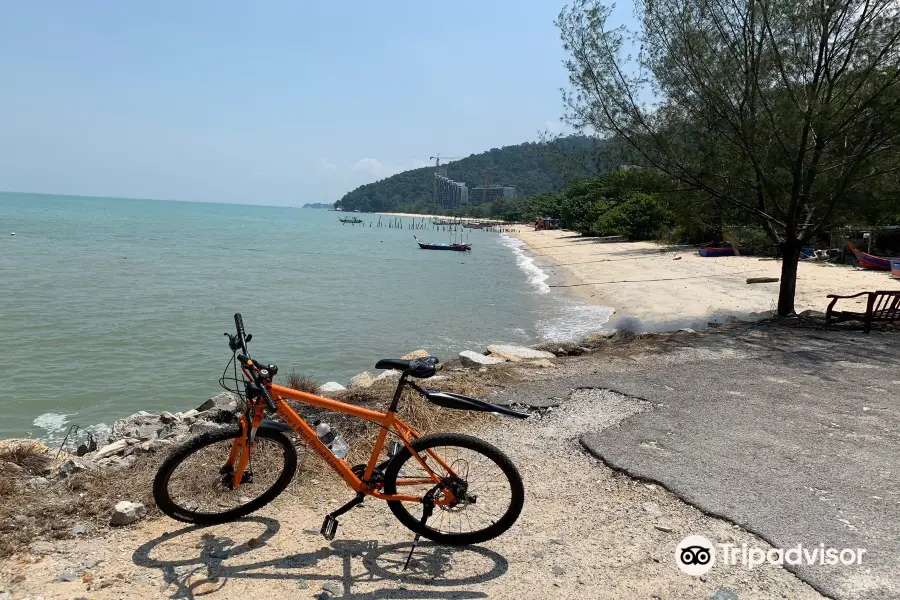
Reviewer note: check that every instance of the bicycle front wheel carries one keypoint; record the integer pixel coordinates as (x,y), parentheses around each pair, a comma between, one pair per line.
(487,487)
(194,484)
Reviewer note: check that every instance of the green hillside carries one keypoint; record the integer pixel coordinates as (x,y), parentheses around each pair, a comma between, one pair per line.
(532,168)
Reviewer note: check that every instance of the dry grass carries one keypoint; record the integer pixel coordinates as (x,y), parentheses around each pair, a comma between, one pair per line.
(302,383)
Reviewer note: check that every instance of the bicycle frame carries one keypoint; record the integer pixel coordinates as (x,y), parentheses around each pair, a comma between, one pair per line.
(388,421)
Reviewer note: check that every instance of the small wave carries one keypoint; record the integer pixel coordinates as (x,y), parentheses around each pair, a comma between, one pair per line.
(55,424)
(536,276)
(576,321)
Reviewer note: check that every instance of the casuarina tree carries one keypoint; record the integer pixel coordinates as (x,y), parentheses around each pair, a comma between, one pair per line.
(788,112)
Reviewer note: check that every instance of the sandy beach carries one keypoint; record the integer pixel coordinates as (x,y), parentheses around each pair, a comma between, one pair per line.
(666,288)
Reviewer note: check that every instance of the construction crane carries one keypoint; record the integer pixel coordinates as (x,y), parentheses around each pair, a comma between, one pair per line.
(437,159)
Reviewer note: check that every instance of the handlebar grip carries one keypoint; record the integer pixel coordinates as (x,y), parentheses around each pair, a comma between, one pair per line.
(239,324)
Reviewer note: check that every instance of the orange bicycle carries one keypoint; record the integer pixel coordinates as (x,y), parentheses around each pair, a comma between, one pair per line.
(469,490)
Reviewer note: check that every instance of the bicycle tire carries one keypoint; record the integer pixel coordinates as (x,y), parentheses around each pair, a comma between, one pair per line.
(171,508)
(517,489)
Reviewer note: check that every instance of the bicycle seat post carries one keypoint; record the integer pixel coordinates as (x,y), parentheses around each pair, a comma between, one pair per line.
(399,392)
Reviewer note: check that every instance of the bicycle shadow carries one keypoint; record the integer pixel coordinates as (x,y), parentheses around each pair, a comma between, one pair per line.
(431,566)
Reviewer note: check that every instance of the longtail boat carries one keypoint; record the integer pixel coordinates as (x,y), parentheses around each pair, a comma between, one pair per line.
(895,268)
(870,261)
(454,247)
(712,251)
(350,220)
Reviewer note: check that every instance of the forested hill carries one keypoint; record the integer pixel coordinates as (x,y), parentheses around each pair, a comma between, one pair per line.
(532,168)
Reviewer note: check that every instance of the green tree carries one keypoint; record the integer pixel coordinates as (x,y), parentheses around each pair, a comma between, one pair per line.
(781,111)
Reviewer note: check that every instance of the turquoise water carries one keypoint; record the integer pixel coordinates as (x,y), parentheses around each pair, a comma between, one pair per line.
(110,306)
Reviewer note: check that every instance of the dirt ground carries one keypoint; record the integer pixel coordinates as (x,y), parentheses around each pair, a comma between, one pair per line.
(585,532)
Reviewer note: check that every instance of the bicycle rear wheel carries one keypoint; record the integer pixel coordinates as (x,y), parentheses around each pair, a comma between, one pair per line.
(492,493)
(193,485)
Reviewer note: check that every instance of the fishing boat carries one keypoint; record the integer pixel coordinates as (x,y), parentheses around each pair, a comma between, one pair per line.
(455,247)
(870,261)
(472,225)
(895,268)
(712,251)
(350,220)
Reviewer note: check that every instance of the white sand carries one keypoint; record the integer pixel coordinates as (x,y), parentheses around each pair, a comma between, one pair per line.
(639,280)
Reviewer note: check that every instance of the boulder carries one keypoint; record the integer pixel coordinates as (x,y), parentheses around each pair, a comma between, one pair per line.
(565,348)
(415,354)
(391,374)
(218,415)
(469,358)
(225,400)
(152,446)
(126,513)
(174,432)
(70,466)
(517,352)
(110,450)
(36,483)
(331,386)
(201,427)
(363,380)
(140,425)
(166,417)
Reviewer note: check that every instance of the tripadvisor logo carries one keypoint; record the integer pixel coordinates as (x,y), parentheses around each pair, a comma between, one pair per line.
(696,555)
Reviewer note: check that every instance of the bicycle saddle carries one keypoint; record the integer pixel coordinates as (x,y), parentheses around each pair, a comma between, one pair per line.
(421,368)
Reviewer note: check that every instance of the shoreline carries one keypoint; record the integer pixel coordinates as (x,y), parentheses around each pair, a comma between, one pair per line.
(656,288)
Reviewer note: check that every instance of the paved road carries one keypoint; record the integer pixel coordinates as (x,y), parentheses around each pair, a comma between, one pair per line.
(793,434)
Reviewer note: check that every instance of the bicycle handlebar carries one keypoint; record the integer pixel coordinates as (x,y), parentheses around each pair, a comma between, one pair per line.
(239,325)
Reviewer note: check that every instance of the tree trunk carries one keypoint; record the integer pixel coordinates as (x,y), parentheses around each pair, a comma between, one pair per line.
(790,258)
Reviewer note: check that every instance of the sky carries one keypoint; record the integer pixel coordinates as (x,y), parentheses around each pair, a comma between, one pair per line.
(265,102)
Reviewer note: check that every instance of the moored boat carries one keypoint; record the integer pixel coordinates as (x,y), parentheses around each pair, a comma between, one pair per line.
(870,261)
(454,247)
(350,220)
(711,251)
(895,268)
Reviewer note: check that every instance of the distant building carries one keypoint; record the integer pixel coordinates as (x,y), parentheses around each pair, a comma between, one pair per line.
(449,193)
(491,193)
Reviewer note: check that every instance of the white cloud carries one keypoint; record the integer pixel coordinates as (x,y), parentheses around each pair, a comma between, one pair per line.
(370,165)
(327,165)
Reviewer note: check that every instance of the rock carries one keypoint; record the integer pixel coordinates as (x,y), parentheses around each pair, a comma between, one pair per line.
(90,563)
(389,375)
(564,348)
(557,570)
(302,584)
(5,596)
(76,465)
(126,513)
(111,449)
(652,509)
(67,576)
(543,362)
(415,354)
(191,414)
(117,463)
(166,417)
(36,483)
(663,528)
(205,427)
(518,352)
(723,594)
(21,519)
(334,587)
(255,543)
(174,432)
(225,401)
(152,446)
(331,386)
(363,380)
(79,529)
(812,314)
(687,330)
(10,468)
(218,415)
(469,358)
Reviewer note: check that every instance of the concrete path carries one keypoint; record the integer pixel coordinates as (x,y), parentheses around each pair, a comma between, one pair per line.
(792,434)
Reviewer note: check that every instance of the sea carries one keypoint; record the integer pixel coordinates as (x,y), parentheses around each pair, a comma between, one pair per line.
(109,306)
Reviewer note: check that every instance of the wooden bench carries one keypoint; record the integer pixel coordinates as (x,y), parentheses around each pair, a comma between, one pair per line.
(883,307)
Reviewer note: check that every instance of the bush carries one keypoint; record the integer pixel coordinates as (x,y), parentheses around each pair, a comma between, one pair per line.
(640,217)
(302,383)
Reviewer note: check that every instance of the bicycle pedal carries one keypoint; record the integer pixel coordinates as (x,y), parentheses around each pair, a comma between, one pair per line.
(329,527)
